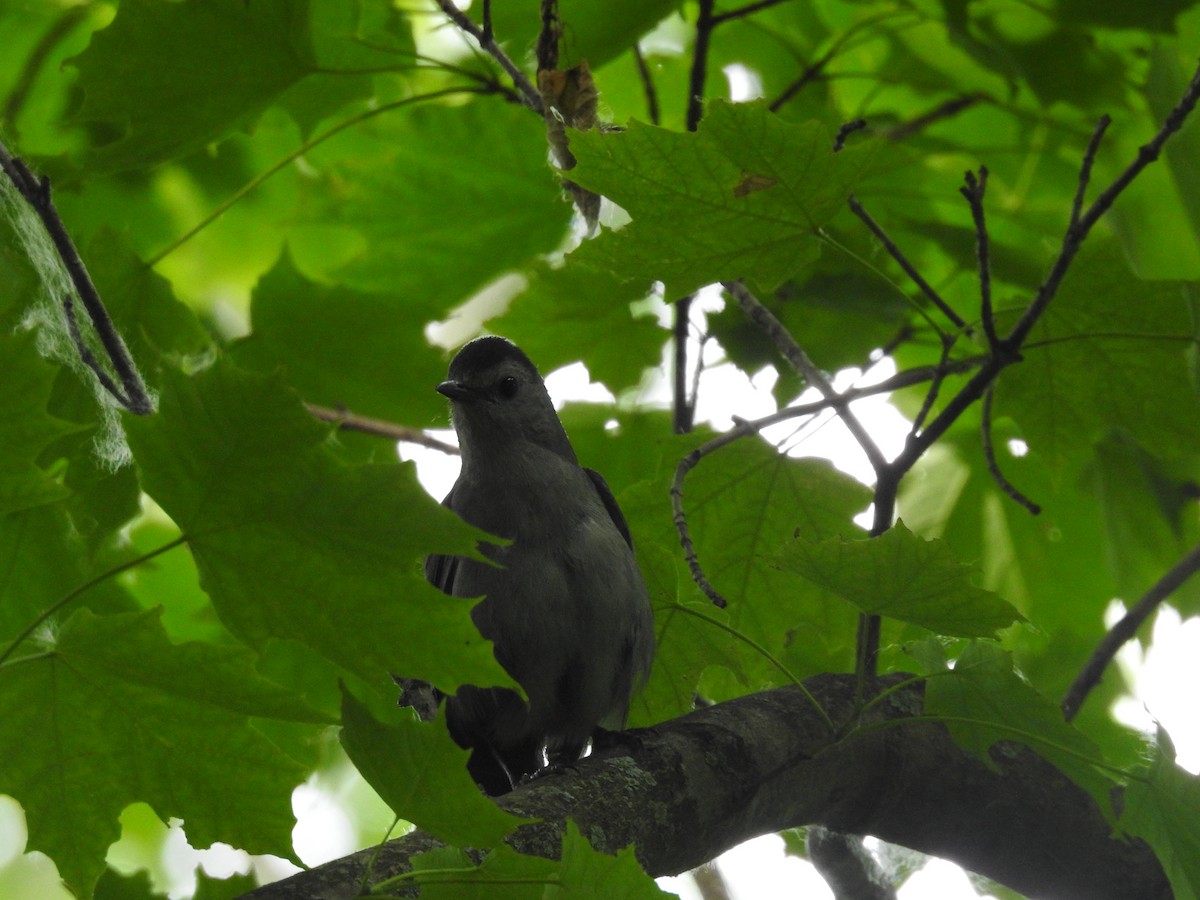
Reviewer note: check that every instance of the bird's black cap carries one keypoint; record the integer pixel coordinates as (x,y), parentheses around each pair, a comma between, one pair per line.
(484,353)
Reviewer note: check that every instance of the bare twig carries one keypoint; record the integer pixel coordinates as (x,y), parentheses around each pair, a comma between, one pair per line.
(1125,629)
(488,35)
(647,85)
(845,131)
(1079,228)
(85,352)
(810,74)
(685,403)
(132,393)
(679,516)
(314,141)
(1085,171)
(974,191)
(348,421)
(747,10)
(529,93)
(795,355)
(945,110)
(685,406)
(699,72)
(935,386)
(745,428)
(60,29)
(909,269)
(58,605)
(1009,349)
(989,453)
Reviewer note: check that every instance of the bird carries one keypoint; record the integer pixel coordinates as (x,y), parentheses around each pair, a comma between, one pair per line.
(564,602)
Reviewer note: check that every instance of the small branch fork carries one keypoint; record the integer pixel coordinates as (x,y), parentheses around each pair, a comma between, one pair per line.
(131,393)
(530,95)
(1003,351)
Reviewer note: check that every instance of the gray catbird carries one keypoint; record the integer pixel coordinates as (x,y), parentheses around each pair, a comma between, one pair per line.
(567,609)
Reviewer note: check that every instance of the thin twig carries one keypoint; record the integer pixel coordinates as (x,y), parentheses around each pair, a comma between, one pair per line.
(909,269)
(1085,170)
(974,191)
(989,453)
(847,129)
(304,148)
(685,404)
(1078,230)
(699,72)
(489,36)
(935,386)
(795,355)
(944,110)
(348,421)
(746,10)
(1125,629)
(808,75)
(530,94)
(647,85)
(679,516)
(133,394)
(814,70)
(58,605)
(59,30)
(85,352)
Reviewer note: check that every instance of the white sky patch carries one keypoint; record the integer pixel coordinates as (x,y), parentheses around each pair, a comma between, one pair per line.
(1161,682)
(744,83)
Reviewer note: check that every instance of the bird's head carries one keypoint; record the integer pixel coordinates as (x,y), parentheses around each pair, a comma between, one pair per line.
(499,400)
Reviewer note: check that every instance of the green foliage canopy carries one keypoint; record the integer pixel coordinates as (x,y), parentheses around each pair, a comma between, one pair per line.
(275,200)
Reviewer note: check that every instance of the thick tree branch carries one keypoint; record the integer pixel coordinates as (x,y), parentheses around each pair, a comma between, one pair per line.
(685,791)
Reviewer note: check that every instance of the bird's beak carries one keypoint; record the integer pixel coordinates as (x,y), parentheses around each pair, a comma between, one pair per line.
(455,390)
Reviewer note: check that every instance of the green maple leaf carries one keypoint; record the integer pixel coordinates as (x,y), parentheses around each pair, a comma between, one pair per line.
(109,712)
(744,197)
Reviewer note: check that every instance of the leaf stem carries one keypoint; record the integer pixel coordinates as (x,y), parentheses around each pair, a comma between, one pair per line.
(307,146)
(762,651)
(62,602)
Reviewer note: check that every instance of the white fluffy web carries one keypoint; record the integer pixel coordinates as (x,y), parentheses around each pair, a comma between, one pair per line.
(47,317)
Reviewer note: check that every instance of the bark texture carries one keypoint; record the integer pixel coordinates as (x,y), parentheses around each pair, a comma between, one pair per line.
(686,790)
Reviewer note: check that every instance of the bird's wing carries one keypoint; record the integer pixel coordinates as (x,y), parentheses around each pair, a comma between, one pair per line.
(610,504)
(440,570)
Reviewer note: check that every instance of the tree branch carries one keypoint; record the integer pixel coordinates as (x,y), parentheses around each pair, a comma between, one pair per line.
(1125,629)
(132,393)
(1081,225)
(846,865)
(647,79)
(909,269)
(487,41)
(348,421)
(993,467)
(974,191)
(685,791)
(795,355)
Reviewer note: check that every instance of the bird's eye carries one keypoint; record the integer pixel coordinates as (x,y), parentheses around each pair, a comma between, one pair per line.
(507,388)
